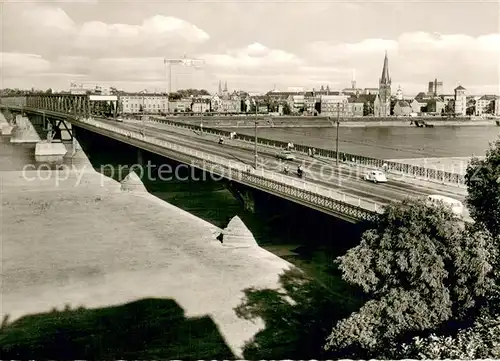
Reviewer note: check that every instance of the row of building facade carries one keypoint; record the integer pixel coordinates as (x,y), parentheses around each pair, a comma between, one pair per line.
(311,103)
(349,102)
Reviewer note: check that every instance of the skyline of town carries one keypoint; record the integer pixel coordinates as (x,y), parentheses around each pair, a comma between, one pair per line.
(49,45)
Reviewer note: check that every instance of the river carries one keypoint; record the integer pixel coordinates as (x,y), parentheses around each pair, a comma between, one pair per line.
(389,142)
(296,235)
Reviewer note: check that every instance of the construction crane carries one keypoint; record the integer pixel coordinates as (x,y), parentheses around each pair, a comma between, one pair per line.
(187,62)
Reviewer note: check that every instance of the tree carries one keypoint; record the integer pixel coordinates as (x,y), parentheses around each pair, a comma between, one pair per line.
(450,107)
(174,96)
(243,106)
(367,108)
(420,266)
(286,109)
(482,179)
(393,104)
(480,341)
(490,108)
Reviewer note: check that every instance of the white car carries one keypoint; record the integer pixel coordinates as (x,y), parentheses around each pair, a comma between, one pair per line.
(285,155)
(119,119)
(454,205)
(375,176)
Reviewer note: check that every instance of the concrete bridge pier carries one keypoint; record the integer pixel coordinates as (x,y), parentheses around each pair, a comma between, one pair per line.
(24,132)
(75,157)
(50,150)
(5,126)
(244,195)
(140,157)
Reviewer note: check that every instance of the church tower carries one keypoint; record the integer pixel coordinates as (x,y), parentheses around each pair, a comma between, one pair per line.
(384,90)
(399,93)
(220,88)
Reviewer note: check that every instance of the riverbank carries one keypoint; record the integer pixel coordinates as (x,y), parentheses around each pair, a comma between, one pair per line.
(322,122)
(82,242)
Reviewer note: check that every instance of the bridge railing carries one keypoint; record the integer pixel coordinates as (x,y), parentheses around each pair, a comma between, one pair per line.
(403,168)
(324,197)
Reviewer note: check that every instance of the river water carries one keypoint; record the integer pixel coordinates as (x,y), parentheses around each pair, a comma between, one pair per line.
(285,234)
(389,142)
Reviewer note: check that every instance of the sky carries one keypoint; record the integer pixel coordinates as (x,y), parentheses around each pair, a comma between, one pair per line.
(253,45)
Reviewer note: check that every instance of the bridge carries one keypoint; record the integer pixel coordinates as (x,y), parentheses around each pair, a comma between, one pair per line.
(342,195)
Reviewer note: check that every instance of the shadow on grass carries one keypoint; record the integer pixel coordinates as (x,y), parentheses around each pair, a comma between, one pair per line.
(145,329)
(297,318)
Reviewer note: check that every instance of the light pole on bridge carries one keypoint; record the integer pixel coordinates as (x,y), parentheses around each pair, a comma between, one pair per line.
(255,128)
(337,138)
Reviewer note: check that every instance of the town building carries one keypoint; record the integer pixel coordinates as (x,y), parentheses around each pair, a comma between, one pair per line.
(334,104)
(149,103)
(416,105)
(435,88)
(447,97)
(435,106)
(460,101)
(402,108)
(355,108)
(216,103)
(497,106)
(200,105)
(296,103)
(485,103)
(399,93)
(181,105)
(229,106)
(382,105)
(367,100)
(371,91)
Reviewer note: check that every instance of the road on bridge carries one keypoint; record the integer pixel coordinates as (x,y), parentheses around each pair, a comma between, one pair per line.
(343,178)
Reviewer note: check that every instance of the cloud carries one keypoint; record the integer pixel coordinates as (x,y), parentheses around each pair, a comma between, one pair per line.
(418,57)
(253,56)
(19,64)
(154,32)
(52,31)
(48,18)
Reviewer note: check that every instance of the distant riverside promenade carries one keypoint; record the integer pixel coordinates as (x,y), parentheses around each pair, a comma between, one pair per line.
(243,121)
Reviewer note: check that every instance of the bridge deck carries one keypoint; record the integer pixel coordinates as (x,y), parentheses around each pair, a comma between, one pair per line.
(343,193)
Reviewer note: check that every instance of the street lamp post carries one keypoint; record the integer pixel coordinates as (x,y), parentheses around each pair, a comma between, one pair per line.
(255,145)
(337,139)
(201,119)
(142,113)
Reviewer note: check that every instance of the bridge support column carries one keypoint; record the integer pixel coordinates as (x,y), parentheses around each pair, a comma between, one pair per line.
(244,195)
(24,131)
(64,131)
(75,157)
(46,152)
(5,127)
(140,157)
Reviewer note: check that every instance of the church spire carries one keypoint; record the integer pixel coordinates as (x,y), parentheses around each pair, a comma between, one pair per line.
(220,87)
(385,79)
(225,86)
